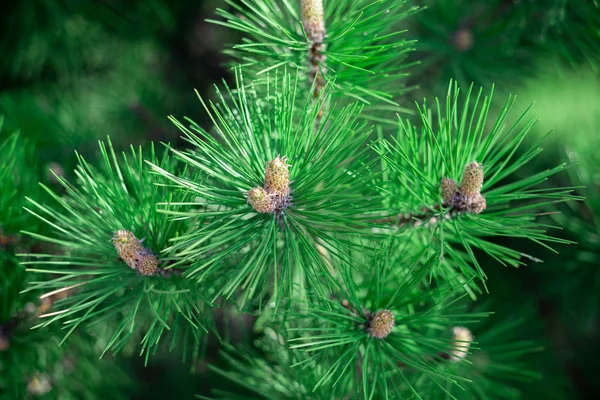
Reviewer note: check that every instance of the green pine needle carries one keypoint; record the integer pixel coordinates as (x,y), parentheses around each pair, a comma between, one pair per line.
(364,46)
(82,262)
(272,255)
(457,132)
(335,332)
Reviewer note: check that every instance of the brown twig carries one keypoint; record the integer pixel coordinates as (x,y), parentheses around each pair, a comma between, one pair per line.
(6,240)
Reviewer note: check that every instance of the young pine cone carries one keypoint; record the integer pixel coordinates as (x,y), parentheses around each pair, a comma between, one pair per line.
(260,200)
(381,324)
(277,177)
(135,255)
(461,341)
(313,19)
(472,180)
(449,190)
(276,193)
(465,197)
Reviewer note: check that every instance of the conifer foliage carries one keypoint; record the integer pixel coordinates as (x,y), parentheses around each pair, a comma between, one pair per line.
(362,233)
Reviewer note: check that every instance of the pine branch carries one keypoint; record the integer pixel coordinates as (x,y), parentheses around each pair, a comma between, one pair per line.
(423,170)
(115,280)
(323,202)
(31,361)
(363,46)
(497,365)
(363,342)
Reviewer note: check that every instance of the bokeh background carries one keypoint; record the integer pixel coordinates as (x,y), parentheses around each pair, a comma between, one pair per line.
(73,72)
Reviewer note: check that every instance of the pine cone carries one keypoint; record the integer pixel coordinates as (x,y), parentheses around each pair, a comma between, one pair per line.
(472,180)
(478,205)
(313,20)
(277,177)
(462,339)
(260,200)
(128,246)
(146,263)
(381,325)
(135,255)
(449,188)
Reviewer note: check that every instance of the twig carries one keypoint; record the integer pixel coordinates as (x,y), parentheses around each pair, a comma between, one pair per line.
(6,240)
(428,216)
(314,25)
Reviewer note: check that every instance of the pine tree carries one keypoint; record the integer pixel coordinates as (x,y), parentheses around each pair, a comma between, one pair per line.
(366,236)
